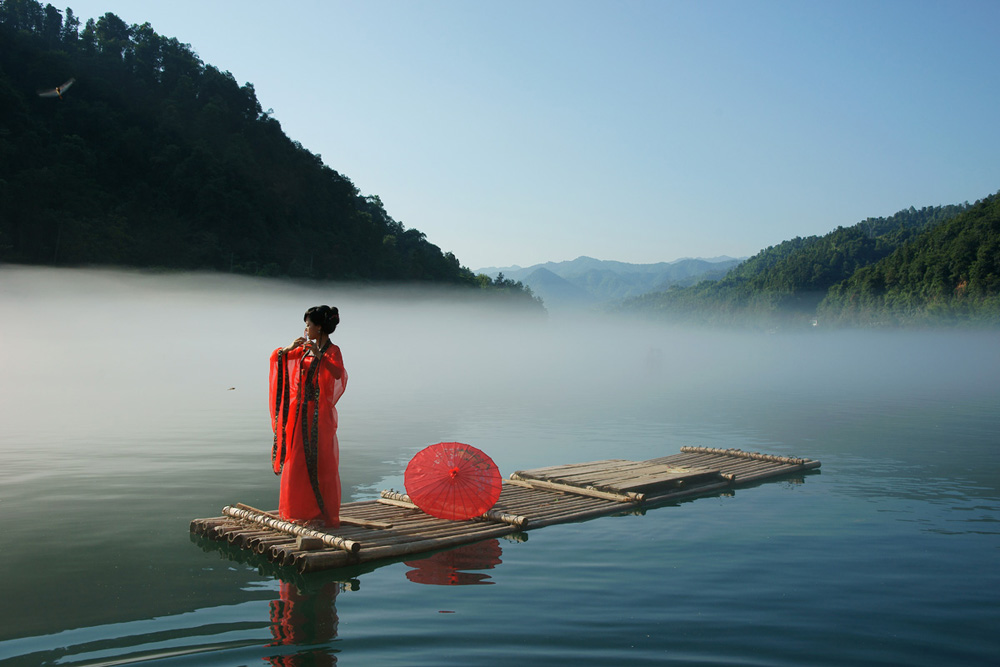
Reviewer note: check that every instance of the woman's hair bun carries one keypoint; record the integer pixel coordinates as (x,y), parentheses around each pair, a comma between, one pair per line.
(326,317)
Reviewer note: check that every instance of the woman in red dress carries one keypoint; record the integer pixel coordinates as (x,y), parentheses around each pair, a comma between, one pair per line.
(307,379)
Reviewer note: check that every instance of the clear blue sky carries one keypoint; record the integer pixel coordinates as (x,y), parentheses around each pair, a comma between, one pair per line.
(525,131)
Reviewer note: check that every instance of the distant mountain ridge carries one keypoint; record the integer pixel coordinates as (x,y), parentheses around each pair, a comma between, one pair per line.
(587,281)
(935,265)
(584,262)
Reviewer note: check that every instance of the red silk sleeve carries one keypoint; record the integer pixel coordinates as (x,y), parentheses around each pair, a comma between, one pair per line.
(333,378)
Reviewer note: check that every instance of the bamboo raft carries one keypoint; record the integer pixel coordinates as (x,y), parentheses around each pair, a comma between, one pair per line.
(392,526)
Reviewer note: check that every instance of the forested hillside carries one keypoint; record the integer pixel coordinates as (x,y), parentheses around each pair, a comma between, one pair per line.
(153,158)
(787,283)
(950,273)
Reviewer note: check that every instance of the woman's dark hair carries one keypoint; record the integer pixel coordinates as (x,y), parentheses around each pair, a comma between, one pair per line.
(325,317)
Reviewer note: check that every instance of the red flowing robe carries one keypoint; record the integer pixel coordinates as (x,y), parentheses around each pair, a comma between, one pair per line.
(306,453)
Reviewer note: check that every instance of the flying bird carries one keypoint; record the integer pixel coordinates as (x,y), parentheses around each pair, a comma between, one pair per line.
(57,91)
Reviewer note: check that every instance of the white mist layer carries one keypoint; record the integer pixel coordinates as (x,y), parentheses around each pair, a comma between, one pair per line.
(119,356)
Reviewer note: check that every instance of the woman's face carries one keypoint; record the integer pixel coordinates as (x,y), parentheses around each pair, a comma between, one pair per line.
(312,330)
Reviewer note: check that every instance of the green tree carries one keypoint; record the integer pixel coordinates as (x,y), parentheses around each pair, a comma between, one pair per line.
(155,158)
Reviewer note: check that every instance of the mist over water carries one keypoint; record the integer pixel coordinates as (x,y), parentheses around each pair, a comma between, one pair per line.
(132,402)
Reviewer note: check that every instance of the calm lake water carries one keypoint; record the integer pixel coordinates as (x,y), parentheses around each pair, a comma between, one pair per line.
(131,403)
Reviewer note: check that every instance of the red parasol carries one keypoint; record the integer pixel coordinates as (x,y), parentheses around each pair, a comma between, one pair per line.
(451,480)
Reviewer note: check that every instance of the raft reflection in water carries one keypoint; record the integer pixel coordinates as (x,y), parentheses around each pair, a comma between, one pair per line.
(303,619)
(450,568)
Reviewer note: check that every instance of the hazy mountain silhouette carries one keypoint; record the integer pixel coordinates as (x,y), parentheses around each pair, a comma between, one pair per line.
(588,281)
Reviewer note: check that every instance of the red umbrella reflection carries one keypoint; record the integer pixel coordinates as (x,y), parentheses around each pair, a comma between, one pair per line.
(446,568)
(451,480)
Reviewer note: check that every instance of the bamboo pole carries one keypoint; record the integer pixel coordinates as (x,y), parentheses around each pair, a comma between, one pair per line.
(572,466)
(432,533)
(264,546)
(569,512)
(364,523)
(544,500)
(654,478)
(685,453)
(755,467)
(390,494)
(288,527)
(595,507)
(221,532)
(317,560)
(416,520)
(751,455)
(421,528)
(557,511)
(629,497)
(530,488)
(375,511)
(331,558)
(202,526)
(497,516)
(549,505)
(444,530)
(766,465)
(398,503)
(421,525)
(542,518)
(546,497)
(280,552)
(697,459)
(350,521)
(760,473)
(595,504)
(542,508)
(272,513)
(591,472)
(403,500)
(242,538)
(622,469)
(264,542)
(591,476)
(673,459)
(694,491)
(745,465)
(735,464)
(753,478)
(598,510)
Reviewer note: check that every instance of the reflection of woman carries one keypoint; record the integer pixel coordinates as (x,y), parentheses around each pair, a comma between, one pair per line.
(307,379)
(306,621)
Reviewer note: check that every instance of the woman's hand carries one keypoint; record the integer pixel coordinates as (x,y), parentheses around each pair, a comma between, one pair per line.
(298,342)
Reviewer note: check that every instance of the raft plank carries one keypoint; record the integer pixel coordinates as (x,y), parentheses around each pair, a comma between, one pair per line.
(634,476)
(587,465)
